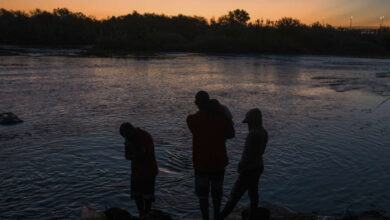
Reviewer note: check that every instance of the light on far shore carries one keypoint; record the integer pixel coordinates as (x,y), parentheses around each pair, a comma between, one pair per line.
(350,22)
(381,18)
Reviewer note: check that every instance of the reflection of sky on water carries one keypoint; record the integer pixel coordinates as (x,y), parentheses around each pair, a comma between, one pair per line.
(329,140)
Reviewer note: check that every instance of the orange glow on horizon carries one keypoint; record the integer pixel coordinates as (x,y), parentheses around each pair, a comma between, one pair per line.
(334,12)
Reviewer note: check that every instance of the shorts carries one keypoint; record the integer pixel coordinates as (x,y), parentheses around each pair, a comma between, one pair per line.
(142,188)
(206,180)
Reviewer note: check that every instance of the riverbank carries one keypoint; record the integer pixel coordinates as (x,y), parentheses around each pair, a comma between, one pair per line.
(267,212)
(90,51)
(281,213)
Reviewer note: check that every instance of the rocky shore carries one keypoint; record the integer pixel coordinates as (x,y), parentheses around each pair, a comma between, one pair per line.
(272,212)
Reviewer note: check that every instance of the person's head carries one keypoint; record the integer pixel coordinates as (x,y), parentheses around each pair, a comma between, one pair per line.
(202,100)
(253,118)
(128,131)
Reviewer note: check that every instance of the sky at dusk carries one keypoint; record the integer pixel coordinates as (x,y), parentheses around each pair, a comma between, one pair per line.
(335,12)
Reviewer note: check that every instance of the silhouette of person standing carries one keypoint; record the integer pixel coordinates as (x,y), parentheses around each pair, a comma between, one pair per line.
(251,165)
(139,148)
(209,132)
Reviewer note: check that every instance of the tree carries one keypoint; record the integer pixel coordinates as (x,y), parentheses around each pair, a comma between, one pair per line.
(287,22)
(61,12)
(317,25)
(238,16)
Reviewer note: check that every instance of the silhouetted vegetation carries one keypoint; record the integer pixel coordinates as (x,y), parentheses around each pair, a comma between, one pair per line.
(151,32)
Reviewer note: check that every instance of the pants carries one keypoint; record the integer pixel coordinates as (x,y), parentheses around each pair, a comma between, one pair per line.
(247,180)
(142,188)
(206,180)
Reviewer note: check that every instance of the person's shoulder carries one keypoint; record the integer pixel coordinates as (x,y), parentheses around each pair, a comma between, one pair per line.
(197,115)
(193,116)
(225,107)
(146,138)
(227,110)
(144,133)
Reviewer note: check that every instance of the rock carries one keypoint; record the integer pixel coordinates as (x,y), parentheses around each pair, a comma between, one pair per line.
(278,209)
(91,214)
(348,215)
(155,214)
(118,214)
(9,118)
(372,214)
(109,214)
(260,213)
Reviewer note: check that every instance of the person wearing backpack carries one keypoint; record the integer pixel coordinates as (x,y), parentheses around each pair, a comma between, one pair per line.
(209,130)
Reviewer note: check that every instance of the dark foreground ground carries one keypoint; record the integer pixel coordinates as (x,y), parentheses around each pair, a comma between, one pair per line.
(279,213)
(300,216)
(275,213)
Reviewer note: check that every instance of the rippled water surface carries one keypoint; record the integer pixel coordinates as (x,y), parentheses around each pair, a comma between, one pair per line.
(329,144)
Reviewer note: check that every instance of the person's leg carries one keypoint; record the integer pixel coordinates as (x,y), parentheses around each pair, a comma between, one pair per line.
(217,192)
(217,207)
(140,205)
(202,189)
(240,186)
(148,205)
(204,208)
(148,190)
(136,194)
(253,191)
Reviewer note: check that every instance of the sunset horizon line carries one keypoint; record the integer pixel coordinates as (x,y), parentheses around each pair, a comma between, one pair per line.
(208,19)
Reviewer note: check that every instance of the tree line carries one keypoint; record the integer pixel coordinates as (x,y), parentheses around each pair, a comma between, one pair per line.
(230,33)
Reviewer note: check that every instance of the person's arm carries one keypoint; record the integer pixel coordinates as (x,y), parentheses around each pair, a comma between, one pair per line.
(246,154)
(229,129)
(255,145)
(140,152)
(190,123)
(265,141)
(148,145)
(227,112)
(135,150)
(129,150)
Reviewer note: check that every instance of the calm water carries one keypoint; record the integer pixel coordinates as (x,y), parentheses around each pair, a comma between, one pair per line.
(329,142)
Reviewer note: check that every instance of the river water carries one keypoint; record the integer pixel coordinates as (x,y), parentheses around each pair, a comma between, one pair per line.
(327,118)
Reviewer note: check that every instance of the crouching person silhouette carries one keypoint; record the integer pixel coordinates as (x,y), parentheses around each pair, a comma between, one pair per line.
(251,165)
(139,148)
